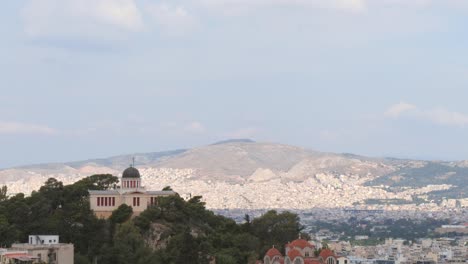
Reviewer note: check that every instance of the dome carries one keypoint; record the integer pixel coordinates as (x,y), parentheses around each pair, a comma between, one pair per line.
(326,253)
(292,254)
(273,252)
(300,243)
(131,172)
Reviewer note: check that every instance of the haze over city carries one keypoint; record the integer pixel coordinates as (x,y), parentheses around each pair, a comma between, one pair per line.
(94,78)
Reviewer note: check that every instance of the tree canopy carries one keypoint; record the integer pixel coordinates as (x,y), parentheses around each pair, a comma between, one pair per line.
(171,231)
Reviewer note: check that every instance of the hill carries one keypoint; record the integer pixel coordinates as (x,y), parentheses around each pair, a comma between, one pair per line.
(247,174)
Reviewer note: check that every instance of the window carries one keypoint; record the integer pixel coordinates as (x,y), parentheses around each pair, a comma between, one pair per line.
(136,201)
(98,201)
(105,201)
(113,201)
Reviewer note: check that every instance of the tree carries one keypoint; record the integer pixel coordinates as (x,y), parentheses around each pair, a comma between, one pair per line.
(276,229)
(129,244)
(167,188)
(99,182)
(121,214)
(3,193)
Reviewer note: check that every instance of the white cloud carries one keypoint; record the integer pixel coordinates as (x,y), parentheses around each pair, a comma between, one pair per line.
(195,127)
(442,116)
(396,110)
(231,7)
(24,128)
(439,116)
(80,17)
(172,20)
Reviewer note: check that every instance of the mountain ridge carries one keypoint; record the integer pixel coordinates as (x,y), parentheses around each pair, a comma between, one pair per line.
(251,166)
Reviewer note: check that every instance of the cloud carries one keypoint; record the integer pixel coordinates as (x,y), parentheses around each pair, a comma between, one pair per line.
(24,128)
(72,18)
(438,116)
(442,116)
(233,7)
(396,110)
(172,20)
(195,127)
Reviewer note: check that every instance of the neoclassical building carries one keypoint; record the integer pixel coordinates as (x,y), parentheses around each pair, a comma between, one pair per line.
(130,192)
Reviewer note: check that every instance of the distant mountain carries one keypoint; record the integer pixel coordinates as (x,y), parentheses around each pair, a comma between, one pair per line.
(241,172)
(241,140)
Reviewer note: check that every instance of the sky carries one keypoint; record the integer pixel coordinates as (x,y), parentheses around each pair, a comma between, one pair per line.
(86,79)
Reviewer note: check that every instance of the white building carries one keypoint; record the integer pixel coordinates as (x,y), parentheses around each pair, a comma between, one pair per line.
(39,249)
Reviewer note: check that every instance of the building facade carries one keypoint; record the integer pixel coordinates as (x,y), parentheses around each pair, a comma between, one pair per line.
(39,249)
(131,192)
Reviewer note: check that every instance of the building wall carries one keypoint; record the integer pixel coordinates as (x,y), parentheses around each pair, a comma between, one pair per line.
(105,212)
(64,252)
(43,239)
(94,204)
(66,255)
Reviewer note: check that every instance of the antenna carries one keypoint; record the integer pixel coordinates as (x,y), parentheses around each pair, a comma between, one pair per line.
(133,161)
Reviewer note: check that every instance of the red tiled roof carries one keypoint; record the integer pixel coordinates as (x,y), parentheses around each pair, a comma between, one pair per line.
(325,253)
(273,252)
(312,261)
(293,253)
(15,255)
(300,243)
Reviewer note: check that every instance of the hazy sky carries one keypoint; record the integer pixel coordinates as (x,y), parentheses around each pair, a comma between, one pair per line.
(92,78)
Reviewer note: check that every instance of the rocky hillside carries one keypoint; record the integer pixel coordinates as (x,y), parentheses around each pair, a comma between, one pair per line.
(247,174)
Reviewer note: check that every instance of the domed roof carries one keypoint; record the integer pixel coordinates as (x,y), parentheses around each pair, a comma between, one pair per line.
(273,252)
(294,253)
(325,253)
(300,243)
(131,172)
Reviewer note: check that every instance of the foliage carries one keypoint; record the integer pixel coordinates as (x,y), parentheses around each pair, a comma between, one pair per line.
(3,193)
(171,231)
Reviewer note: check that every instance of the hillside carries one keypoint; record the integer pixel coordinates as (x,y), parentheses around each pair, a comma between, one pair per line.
(247,174)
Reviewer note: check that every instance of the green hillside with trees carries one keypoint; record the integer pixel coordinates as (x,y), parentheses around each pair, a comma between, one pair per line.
(173,231)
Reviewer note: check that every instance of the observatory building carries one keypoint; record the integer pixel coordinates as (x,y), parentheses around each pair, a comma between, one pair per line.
(131,192)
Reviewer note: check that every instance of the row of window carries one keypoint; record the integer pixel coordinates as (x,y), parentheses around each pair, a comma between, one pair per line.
(131,184)
(110,201)
(106,201)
